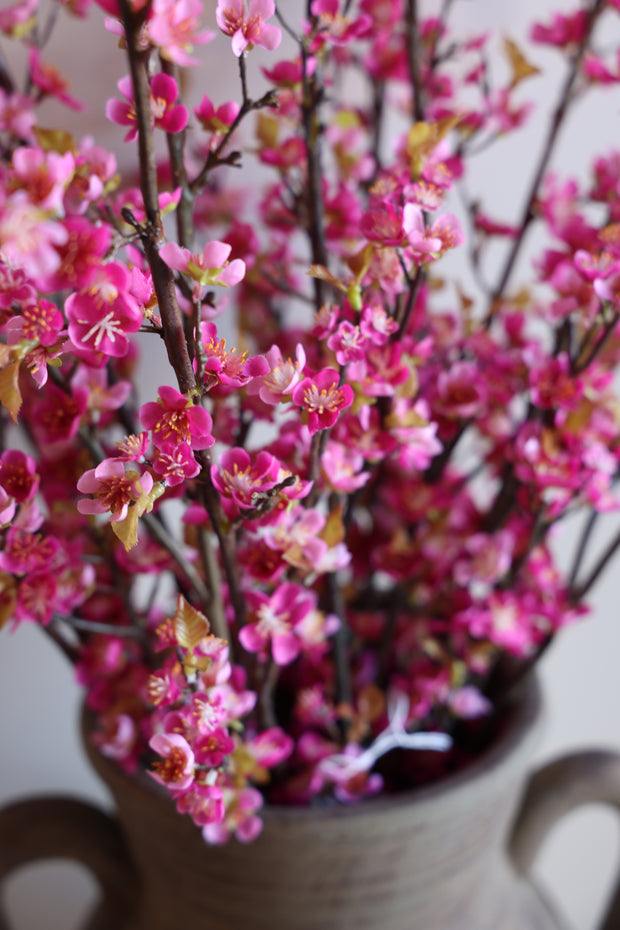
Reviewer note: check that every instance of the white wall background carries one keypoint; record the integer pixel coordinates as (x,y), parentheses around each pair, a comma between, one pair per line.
(39,748)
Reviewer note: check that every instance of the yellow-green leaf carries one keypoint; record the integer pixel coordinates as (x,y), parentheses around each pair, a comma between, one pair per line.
(190,626)
(520,67)
(10,394)
(55,140)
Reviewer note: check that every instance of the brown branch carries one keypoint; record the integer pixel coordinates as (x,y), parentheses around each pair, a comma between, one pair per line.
(151,233)
(312,94)
(413,60)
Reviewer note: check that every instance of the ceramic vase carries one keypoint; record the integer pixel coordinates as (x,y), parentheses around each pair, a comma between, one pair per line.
(454,856)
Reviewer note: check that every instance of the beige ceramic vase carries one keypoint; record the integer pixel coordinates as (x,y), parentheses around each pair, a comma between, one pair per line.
(450,857)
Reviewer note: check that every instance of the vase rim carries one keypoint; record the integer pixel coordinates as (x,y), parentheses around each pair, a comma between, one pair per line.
(509,752)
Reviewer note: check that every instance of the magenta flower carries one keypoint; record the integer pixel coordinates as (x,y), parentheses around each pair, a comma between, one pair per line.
(216,120)
(18,16)
(25,552)
(229,367)
(244,480)
(36,598)
(173,28)
(174,420)
(203,803)
(18,475)
(28,238)
(209,268)
(323,398)
(43,175)
(58,416)
(276,619)
(101,318)
(247,26)
(165,113)
(176,465)
(49,81)
(176,771)
(115,486)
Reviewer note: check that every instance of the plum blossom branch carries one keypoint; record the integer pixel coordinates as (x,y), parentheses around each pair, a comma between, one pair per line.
(562,107)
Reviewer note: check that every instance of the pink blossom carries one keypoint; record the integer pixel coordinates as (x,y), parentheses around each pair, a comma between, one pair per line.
(339,28)
(322,398)
(49,81)
(207,268)
(79,254)
(36,598)
(40,322)
(276,618)
(102,396)
(18,475)
(203,803)
(376,325)
(462,393)
(240,818)
(216,120)
(115,486)
(383,223)
(165,113)
(445,233)
(176,771)
(16,17)
(343,467)
(173,26)
(28,238)
(101,318)
(175,419)
(280,381)
(43,175)
(227,366)
(17,115)
(348,343)
(175,465)
(246,24)
(562,31)
(24,552)
(58,415)
(242,478)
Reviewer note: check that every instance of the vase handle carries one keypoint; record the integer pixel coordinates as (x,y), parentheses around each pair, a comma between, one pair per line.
(58,827)
(591,777)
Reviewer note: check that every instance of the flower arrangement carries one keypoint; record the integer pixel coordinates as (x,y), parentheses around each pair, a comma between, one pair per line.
(315,563)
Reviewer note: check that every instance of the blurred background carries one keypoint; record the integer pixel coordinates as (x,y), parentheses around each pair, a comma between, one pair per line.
(39,703)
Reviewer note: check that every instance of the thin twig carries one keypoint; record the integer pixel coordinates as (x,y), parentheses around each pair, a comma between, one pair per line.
(566,97)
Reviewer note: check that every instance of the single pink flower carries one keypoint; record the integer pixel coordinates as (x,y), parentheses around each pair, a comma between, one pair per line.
(174,419)
(276,618)
(165,113)
(244,479)
(246,25)
(18,475)
(24,552)
(176,465)
(16,17)
(207,268)
(227,366)
(176,771)
(101,318)
(323,398)
(49,81)
(216,120)
(173,26)
(28,237)
(115,485)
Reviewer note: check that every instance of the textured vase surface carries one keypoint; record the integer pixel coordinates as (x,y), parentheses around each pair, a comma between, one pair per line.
(432,859)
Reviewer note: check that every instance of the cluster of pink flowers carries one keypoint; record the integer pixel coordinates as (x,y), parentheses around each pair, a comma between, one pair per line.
(322,541)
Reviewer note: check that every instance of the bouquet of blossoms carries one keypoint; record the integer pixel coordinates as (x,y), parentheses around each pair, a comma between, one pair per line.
(314,561)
